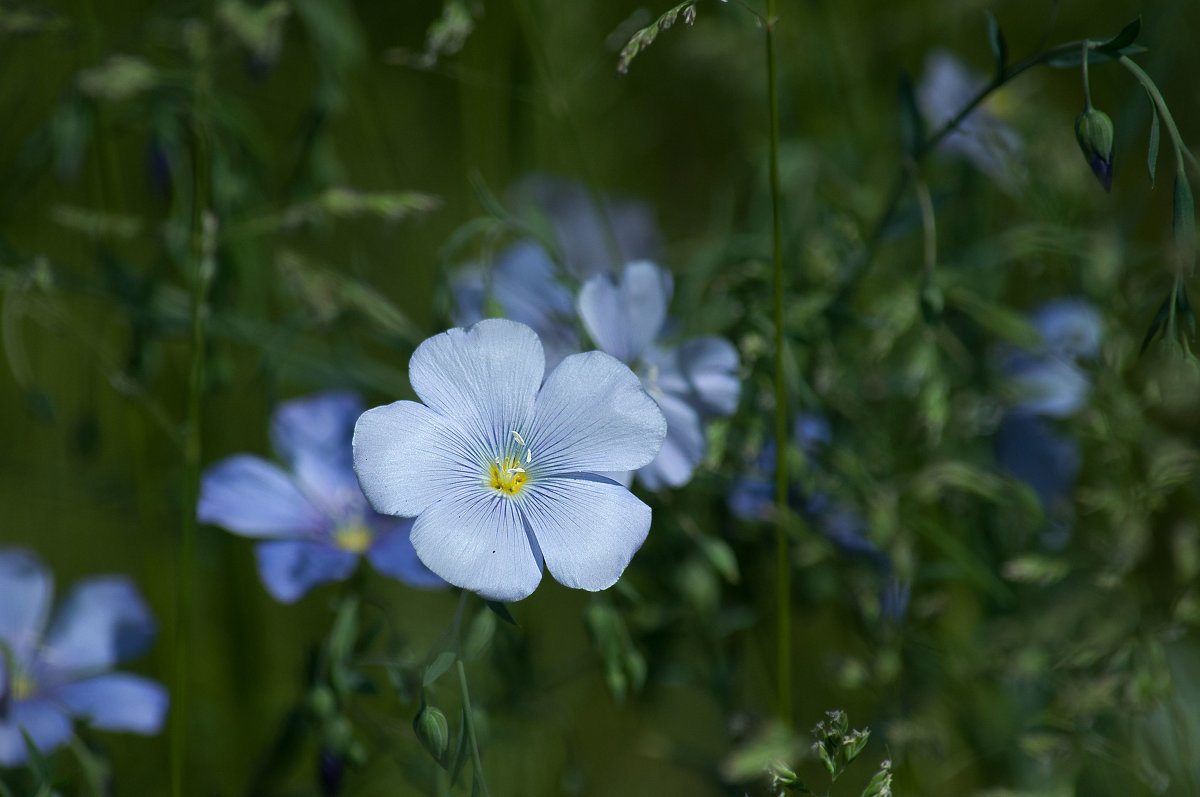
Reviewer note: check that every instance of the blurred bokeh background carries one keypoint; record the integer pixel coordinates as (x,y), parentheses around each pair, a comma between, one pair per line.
(353,165)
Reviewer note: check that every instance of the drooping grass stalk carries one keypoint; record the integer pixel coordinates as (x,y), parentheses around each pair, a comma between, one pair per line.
(469,719)
(202,267)
(783,569)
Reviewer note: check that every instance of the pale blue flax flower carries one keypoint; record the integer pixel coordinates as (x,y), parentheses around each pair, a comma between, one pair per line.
(502,471)
(692,382)
(312,518)
(53,671)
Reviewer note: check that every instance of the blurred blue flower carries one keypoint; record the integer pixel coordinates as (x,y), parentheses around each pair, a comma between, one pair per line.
(524,285)
(501,470)
(56,671)
(1049,383)
(579,226)
(946,86)
(313,518)
(692,382)
(752,497)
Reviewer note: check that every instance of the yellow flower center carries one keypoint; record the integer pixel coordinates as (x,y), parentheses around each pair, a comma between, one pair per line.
(353,537)
(507,476)
(23,686)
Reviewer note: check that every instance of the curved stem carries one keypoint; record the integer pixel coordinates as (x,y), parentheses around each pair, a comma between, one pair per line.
(469,719)
(783,570)
(1087,89)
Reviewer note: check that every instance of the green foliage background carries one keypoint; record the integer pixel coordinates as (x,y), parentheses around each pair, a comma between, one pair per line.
(343,167)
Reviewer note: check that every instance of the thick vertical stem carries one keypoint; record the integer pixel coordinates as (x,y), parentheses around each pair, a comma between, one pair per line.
(202,266)
(783,569)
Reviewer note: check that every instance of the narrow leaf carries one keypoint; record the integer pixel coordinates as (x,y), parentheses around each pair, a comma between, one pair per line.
(1126,37)
(1152,152)
(460,751)
(437,667)
(1156,325)
(1074,58)
(999,46)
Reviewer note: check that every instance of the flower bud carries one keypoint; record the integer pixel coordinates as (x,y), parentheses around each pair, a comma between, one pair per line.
(1094,132)
(433,732)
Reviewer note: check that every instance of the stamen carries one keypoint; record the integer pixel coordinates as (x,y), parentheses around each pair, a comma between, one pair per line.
(520,439)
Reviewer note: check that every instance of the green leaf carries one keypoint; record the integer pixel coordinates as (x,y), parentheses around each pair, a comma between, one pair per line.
(1152,152)
(1184,223)
(501,611)
(994,318)
(1183,308)
(479,635)
(441,662)
(722,558)
(1126,37)
(881,784)
(38,765)
(999,46)
(912,128)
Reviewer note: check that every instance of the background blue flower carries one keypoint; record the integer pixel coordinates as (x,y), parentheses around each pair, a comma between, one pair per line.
(313,518)
(524,285)
(692,382)
(56,671)
(1049,383)
(501,470)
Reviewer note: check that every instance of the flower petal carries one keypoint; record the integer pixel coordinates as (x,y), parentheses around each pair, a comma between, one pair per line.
(477,540)
(46,725)
(710,365)
(593,415)
(290,568)
(116,702)
(320,425)
(313,436)
(102,622)
(26,588)
(250,496)
(588,529)
(682,450)
(484,378)
(407,457)
(392,554)
(624,319)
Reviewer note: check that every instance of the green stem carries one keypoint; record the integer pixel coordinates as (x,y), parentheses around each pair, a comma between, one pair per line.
(203,237)
(469,718)
(1164,113)
(783,570)
(1087,89)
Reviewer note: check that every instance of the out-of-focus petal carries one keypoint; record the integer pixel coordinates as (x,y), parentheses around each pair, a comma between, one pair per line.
(588,529)
(320,425)
(392,554)
(408,457)
(26,588)
(484,378)
(46,725)
(1048,385)
(477,540)
(102,621)
(290,568)
(710,364)
(250,496)
(682,450)
(624,319)
(1030,449)
(580,225)
(593,415)
(116,702)
(1070,328)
